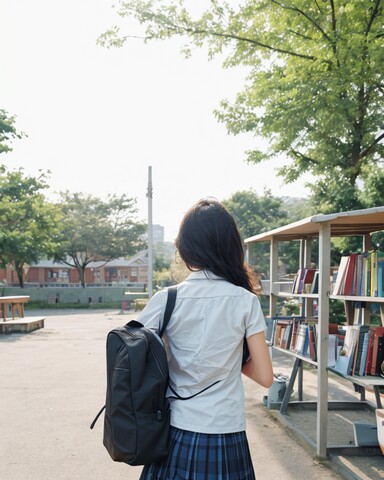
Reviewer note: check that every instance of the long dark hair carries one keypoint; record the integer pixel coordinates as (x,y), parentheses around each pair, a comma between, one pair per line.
(209,239)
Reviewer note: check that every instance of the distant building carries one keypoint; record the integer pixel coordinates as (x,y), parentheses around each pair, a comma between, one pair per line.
(116,272)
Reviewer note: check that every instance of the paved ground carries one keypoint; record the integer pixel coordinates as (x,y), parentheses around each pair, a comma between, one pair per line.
(53,384)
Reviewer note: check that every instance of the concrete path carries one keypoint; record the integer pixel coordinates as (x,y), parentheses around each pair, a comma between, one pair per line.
(52,385)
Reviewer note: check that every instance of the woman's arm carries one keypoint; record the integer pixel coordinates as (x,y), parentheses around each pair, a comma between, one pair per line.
(259,366)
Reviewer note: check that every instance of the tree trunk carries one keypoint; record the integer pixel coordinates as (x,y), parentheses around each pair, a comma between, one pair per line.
(82,276)
(20,274)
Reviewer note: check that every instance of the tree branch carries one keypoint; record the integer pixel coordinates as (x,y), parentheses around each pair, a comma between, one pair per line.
(369,149)
(249,40)
(333,16)
(373,16)
(300,35)
(304,157)
(316,25)
(230,36)
(183,29)
(317,5)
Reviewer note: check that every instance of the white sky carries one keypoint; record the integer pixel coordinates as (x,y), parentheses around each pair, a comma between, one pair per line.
(97,117)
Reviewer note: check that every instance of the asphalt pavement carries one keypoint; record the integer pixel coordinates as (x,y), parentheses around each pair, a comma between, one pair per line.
(53,384)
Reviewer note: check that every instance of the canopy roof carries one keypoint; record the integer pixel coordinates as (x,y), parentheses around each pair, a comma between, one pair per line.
(356,222)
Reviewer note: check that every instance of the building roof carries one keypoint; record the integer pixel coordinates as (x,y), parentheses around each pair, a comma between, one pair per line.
(369,221)
(140,258)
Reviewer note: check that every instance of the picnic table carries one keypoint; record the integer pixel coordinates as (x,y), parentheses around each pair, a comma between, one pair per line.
(16,303)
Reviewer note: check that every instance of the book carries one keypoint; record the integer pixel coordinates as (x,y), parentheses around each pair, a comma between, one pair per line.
(358,313)
(284,337)
(278,332)
(380,357)
(345,358)
(305,349)
(372,331)
(358,290)
(337,289)
(380,274)
(364,285)
(349,275)
(277,335)
(359,349)
(309,274)
(295,280)
(269,333)
(373,256)
(367,279)
(364,355)
(289,336)
(379,333)
(312,343)
(299,280)
(295,326)
(333,328)
(315,283)
(300,345)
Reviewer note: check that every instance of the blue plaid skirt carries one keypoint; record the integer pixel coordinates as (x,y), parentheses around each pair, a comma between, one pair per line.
(201,456)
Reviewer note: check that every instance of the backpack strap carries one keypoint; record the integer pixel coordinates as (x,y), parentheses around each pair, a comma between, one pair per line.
(97,417)
(178,397)
(171,300)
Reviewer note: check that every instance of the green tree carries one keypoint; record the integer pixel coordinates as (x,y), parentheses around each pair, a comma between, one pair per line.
(7,131)
(297,208)
(315,85)
(28,222)
(255,214)
(96,230)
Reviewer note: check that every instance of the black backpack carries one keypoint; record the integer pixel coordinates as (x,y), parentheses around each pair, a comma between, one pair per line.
(137,414)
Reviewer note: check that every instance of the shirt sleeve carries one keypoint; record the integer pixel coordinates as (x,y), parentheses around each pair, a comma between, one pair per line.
(153,313)
(254,320)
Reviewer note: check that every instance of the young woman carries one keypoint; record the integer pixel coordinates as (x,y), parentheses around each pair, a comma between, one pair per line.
(215,310)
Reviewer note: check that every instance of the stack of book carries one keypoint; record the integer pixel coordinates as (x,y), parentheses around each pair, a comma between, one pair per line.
(362,352)
(306,281)
(361,275)
(299,335)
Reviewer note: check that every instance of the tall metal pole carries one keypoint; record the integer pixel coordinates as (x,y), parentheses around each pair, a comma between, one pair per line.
(150,235)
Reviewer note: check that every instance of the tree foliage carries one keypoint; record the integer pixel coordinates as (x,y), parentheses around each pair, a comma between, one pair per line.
(256,214)
(315,85)
(28,222)
(96,230)
(7,131)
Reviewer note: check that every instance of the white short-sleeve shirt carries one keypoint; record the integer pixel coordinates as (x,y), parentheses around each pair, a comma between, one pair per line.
(204,341)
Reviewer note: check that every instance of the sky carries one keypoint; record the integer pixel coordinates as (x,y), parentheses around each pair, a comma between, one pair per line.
(98,118)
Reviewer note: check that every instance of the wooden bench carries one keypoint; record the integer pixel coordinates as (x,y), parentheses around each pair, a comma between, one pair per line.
(16,303)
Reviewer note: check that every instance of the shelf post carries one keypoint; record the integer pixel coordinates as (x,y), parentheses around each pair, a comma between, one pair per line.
(308,310)
(322,352)
(274,265)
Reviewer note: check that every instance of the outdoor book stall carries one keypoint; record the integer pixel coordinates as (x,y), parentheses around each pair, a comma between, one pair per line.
(355,350)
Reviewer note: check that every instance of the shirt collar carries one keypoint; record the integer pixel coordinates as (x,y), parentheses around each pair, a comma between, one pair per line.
(203,275)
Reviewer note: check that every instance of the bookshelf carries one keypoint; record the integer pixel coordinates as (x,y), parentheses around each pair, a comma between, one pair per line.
(322,227)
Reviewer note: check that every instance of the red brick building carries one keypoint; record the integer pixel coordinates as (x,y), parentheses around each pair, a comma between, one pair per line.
(116,272)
